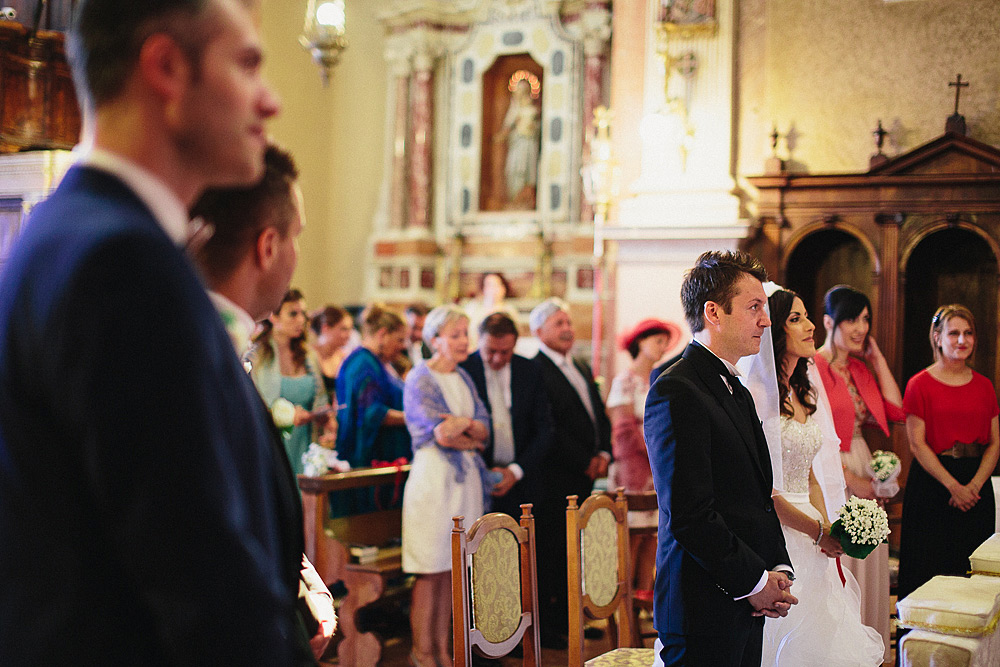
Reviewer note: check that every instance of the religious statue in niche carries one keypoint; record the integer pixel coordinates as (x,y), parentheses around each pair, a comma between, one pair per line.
(511,134)
(687,11)
(520,131)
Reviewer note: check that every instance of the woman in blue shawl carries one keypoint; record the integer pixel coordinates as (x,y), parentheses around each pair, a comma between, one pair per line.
(370,410)
(449,425)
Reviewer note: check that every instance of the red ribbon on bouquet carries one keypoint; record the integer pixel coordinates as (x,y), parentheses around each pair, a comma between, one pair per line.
(840,571)
(397,482)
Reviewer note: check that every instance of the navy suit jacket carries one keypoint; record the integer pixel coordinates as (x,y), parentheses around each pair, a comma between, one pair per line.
(145,515)
(531,422)
(718,530)
(577,439)
(658,370)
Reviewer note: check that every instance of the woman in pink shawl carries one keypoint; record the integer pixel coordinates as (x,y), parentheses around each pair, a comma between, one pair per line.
(862,391)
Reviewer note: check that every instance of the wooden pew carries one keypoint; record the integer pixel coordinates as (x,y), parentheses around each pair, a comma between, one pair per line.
(327,543)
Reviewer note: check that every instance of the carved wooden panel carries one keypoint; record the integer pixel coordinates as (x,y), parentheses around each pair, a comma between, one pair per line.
(916,232)
(38,108)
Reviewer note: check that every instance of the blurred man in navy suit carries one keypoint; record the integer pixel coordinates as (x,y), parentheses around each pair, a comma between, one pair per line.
(580,454)
(143,518)
(511,388)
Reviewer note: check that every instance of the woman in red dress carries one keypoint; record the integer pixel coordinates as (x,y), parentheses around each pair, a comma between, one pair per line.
(951,423)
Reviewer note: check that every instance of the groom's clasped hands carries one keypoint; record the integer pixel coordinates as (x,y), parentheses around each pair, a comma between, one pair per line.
(773,600)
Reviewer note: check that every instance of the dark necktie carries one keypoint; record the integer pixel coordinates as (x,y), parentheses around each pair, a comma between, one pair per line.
(743,399)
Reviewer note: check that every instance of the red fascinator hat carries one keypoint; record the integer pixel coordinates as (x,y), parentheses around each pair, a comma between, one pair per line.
(650,327)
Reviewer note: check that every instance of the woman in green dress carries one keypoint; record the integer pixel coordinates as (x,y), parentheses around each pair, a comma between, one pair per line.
(283,366)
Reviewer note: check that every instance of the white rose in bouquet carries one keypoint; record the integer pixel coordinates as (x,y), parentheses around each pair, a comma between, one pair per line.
(283,414)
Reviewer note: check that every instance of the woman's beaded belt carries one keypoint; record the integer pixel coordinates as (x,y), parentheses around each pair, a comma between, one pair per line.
(965,450)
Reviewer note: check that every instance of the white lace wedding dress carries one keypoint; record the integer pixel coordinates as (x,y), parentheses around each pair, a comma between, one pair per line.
(824,628)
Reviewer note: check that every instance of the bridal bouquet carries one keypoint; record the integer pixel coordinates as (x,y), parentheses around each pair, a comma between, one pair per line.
(862,525)
(318,460)
(283,414)
(884,471)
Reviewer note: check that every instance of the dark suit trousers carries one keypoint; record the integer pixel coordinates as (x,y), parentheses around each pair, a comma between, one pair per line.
(550,534)
(740,646)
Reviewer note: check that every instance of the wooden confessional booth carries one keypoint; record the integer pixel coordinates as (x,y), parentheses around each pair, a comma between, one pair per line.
(914,232)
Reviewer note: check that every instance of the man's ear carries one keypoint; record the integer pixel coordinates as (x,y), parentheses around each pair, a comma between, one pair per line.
(267,248)
(711,313)
(827,322)
(164,69)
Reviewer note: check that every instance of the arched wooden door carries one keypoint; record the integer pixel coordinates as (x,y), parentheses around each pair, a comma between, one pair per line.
(825,258)
(949,265)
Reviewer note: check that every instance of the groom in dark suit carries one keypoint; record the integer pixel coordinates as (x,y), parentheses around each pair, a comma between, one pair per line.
(143,517)
(721,563)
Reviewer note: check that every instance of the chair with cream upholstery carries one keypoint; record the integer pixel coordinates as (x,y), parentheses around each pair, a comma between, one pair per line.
(598,576)
(954,622)
(642,524)
(494,589)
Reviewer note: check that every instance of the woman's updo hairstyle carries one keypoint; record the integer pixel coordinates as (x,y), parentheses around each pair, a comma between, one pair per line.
(378,316)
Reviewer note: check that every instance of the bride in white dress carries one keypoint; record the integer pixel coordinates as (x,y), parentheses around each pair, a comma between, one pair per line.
(825,627)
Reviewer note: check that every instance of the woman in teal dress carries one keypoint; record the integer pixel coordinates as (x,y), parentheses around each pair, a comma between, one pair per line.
(283,366)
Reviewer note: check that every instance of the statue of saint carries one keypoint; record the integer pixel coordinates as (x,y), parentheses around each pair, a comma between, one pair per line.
(521,129)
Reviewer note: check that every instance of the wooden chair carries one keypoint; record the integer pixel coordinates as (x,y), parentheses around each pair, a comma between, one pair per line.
(641,501)
(599,577)
(494,589)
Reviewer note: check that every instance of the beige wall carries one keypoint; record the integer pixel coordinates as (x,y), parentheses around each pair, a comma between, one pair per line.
(833,68)
(830,67)
(336,136)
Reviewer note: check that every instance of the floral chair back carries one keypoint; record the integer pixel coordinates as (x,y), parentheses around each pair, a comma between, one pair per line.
(599,578)
(494,589)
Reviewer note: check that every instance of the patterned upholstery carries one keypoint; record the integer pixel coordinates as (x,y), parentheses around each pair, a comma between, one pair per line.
(496,586)
(927,648)
(600,557)
(624,657)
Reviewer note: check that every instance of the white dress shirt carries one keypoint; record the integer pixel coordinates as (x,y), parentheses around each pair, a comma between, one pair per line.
(735,372)
(498,392)
(572,373)
(165,206)
(238,322)
(565,364)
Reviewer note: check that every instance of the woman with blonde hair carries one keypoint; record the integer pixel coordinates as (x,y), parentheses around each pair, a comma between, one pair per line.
(370,410)
(952,426)
(449,426)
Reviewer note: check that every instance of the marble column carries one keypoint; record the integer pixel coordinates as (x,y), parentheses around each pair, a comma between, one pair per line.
(597,32)
(398,185)
(420,148)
